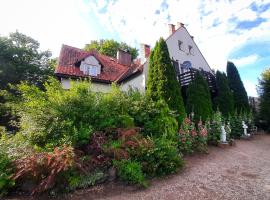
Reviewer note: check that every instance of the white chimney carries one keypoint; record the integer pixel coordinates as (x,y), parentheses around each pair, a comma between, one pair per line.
(171,28)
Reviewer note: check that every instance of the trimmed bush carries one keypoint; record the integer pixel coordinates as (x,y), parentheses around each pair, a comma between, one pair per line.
(130,171)
(163,159)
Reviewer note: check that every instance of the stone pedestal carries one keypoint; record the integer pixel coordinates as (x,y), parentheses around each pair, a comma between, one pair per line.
(246,137)
(223,144)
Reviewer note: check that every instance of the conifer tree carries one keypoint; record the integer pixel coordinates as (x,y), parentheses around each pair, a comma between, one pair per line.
(264,92)
(236,85)
(224,99)
(162,82)
(199,98)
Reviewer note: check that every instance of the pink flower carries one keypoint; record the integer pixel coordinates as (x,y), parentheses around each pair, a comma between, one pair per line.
(193,132)
(180,131)
(203,132)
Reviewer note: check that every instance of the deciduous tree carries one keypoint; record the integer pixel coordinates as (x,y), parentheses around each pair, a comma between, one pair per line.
(110,47)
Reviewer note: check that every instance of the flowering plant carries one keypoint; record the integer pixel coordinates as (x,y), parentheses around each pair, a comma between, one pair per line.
(191,138)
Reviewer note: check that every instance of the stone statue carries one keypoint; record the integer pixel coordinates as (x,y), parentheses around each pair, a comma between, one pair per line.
(245,127)
(223,135)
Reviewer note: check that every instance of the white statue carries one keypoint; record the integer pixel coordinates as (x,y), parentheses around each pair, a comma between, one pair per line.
(223,135)
(245,127)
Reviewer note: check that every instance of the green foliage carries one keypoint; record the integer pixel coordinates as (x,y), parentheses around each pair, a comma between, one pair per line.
(155,117)
(224,99)
(15,146)
(130,171)
(185,143)
(163,159)
(110,47)
(264,92)
(238,89)
(192,138)
(21,60)
(215,128)
(82,181)
(6,171)
(162,82)
(199,99)
(236,126)
(54,116)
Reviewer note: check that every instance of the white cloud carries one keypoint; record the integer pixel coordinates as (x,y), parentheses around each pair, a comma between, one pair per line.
(250,88)
(215,42)
(243,61)
(50,22)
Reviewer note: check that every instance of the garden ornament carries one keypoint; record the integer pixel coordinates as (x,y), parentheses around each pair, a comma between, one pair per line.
(245,127)
(223,135)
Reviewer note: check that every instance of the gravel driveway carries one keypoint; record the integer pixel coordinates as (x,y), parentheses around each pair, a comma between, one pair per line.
(239,172)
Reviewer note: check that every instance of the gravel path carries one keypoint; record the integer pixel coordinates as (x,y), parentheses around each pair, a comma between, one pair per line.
(239,172)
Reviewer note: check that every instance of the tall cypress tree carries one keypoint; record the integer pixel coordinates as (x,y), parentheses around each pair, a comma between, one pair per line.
(264,90)
(199,98)
(224,99)
(162,82)
(236,85)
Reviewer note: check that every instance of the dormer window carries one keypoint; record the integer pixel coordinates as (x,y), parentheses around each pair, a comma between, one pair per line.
(190,49)
(93,70)
(180,43)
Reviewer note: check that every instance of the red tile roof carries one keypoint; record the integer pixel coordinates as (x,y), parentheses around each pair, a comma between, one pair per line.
(111,70)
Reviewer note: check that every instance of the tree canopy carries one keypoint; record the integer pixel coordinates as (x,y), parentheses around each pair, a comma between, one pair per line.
(224,99)
(110,47)
(264,92)
(199,98)
(21,60)
(162,82)
(236,85)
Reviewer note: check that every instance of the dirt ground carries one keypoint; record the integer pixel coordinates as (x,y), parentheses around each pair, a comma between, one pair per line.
(238,172)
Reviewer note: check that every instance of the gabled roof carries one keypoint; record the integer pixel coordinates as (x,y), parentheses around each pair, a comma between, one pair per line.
(111,70)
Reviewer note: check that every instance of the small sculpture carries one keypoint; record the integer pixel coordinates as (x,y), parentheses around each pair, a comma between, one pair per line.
(223,135)
(245,127)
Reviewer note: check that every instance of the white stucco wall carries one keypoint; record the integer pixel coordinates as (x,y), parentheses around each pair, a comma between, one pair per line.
(96,87)
(65,83)
(195,57)
(101,87)
(136,83)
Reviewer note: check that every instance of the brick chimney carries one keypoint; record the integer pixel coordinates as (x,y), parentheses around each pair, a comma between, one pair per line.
(145,50)
(171,28)
(123,57)
(180,24)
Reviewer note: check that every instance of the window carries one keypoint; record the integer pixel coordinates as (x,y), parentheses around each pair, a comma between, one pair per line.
(92,70)
(190,49)
(180,43)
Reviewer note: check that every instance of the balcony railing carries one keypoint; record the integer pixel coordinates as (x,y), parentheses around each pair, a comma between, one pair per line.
(187,77)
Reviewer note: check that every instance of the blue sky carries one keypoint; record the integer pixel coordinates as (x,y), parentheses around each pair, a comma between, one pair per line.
(236,30)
